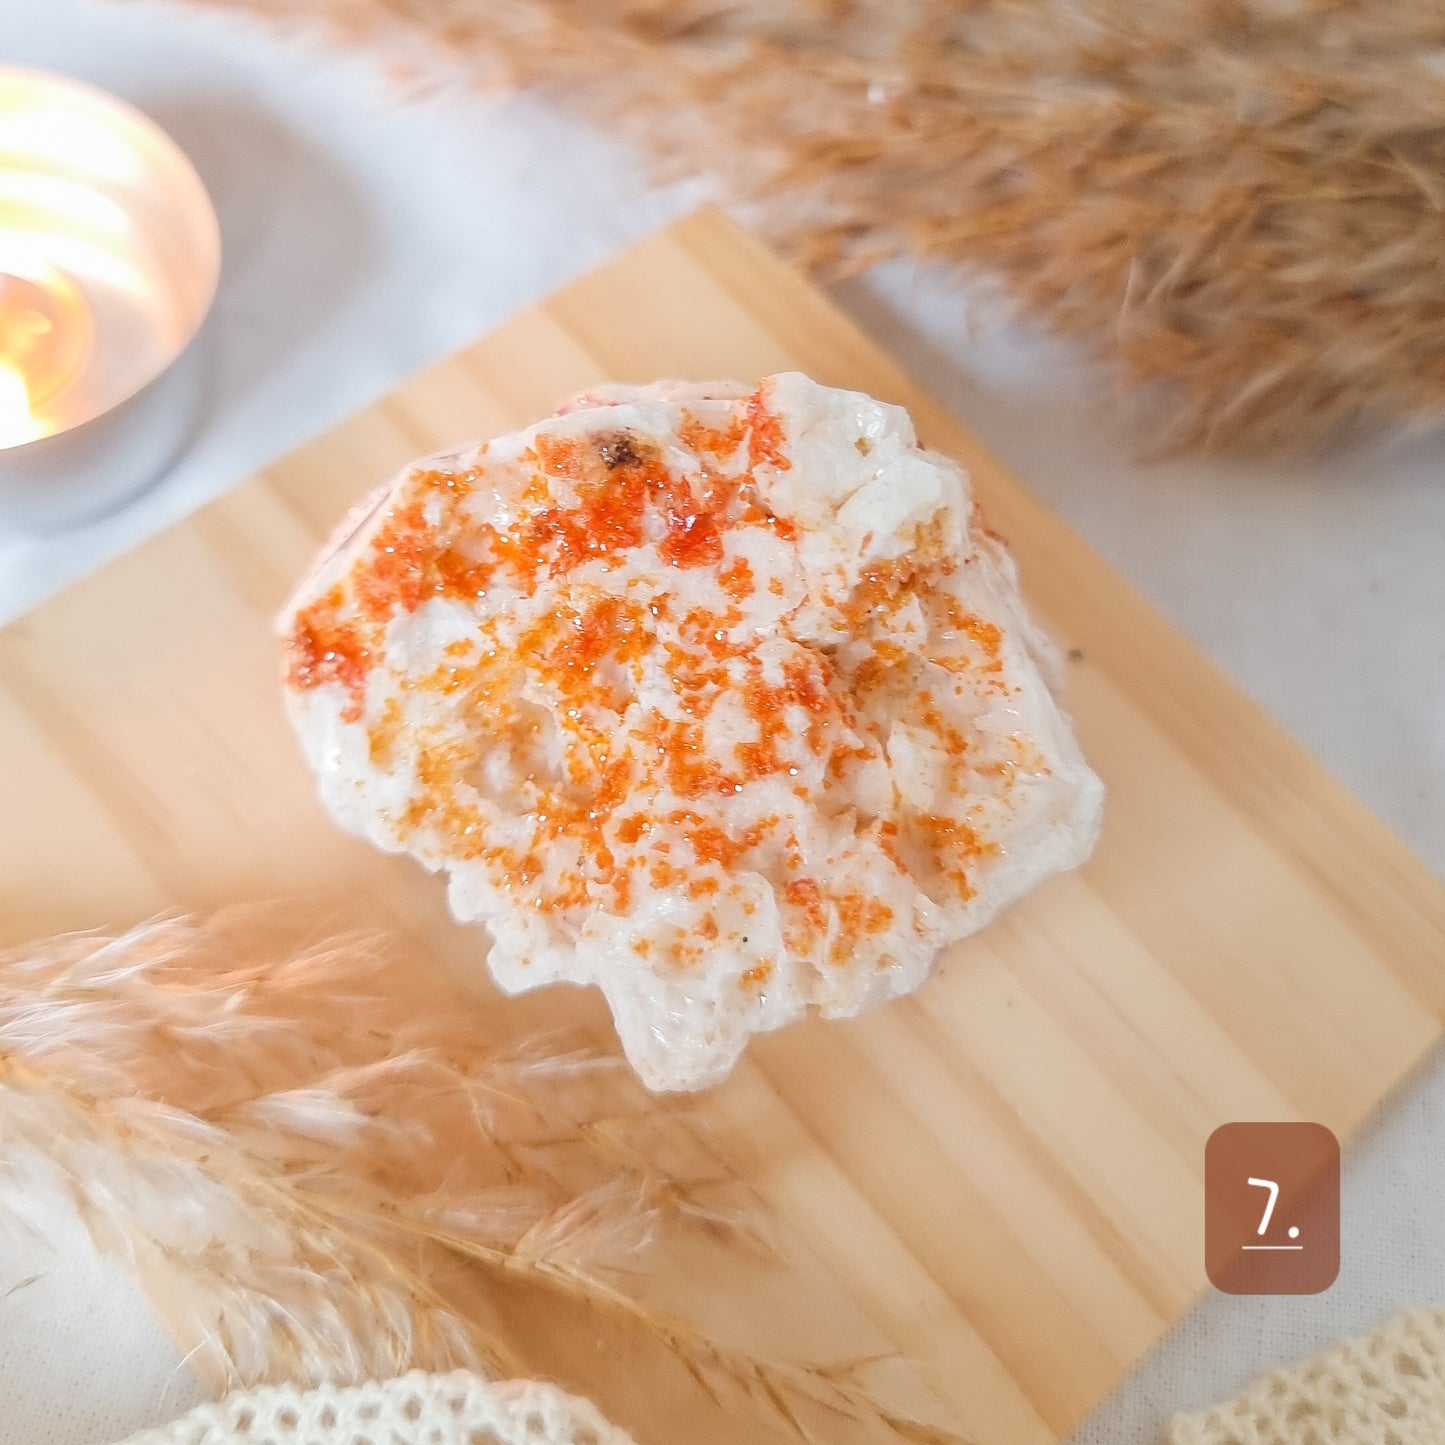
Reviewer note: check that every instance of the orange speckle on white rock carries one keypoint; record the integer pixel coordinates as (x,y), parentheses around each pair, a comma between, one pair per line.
(721,698)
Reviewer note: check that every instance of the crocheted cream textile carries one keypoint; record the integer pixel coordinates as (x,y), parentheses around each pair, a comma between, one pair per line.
(416,1409)
(1385,1389)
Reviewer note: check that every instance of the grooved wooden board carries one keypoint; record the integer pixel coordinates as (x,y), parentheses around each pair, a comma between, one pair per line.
(999,1178)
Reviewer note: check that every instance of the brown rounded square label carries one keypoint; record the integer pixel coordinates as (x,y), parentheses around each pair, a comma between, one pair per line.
(1272,1208)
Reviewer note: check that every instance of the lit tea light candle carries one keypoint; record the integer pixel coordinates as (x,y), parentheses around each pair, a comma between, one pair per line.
(109,258)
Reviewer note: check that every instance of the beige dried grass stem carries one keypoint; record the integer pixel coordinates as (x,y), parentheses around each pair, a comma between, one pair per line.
(1243,200)
(309,1157)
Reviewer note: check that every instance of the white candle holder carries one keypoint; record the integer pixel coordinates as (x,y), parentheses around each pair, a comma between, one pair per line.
(109,258)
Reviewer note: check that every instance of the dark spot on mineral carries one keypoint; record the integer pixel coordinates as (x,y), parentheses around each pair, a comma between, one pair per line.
(618,450)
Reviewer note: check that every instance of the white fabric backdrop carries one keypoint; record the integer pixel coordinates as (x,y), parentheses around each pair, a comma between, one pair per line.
(365,237)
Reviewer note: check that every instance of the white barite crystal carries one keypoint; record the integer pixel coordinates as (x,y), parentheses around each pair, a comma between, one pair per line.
(723,700)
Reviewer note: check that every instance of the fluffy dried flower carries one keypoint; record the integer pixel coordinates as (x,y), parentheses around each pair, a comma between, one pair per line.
(1242,199)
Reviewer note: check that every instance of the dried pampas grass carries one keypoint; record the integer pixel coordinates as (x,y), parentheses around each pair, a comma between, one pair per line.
(321,1171)
(1241,199)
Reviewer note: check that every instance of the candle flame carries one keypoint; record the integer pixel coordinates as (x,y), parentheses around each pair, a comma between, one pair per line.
(45,335)
(17,422)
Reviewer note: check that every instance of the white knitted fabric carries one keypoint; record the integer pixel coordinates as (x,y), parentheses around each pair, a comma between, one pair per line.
(1387,1388)
(415,1409)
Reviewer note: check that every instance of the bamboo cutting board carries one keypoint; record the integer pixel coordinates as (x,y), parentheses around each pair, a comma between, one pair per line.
(999,1179)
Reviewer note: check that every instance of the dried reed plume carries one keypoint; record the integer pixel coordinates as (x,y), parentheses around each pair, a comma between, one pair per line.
(315,1164)
(1244,199)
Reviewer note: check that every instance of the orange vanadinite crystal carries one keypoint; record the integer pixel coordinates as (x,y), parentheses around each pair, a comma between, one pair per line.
(601,797)
(324,647)
(956,847)
(719,443)
(766,442)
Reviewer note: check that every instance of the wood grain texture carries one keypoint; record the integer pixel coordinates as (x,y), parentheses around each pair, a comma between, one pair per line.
(999,1178)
